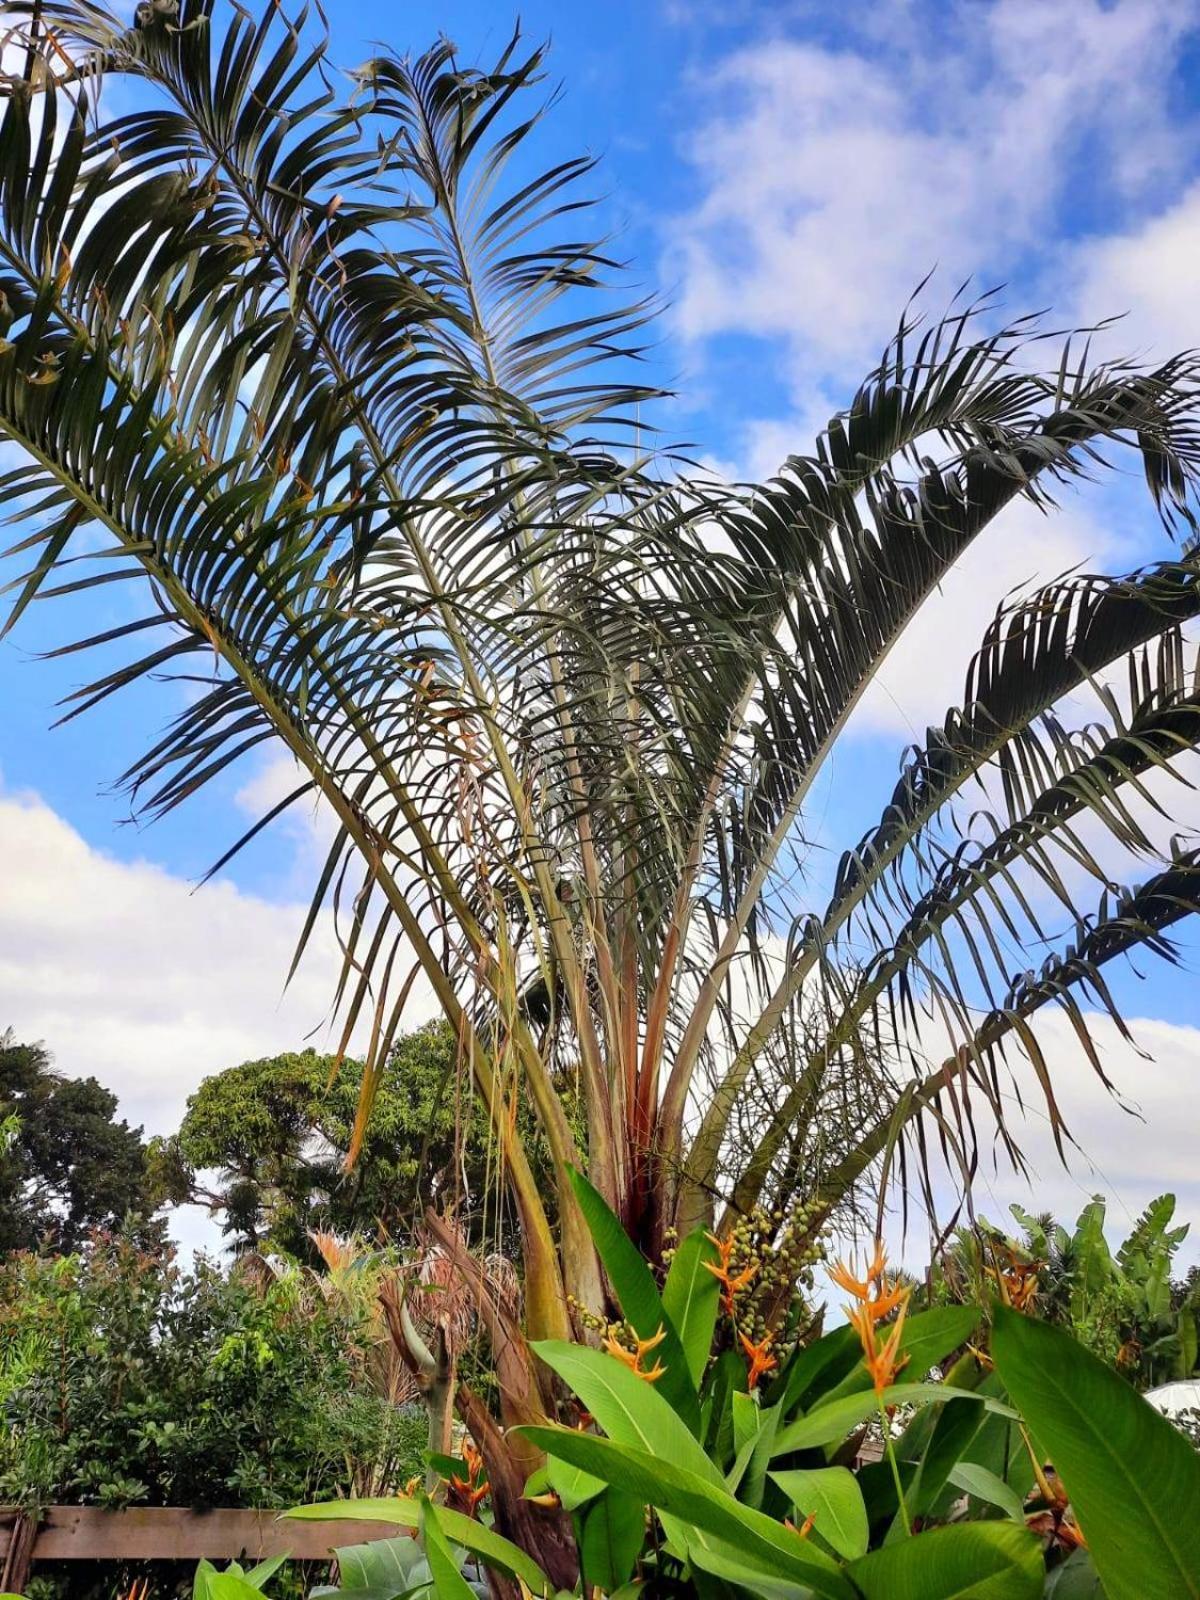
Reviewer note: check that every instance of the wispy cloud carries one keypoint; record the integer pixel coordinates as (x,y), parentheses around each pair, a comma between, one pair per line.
(972,138)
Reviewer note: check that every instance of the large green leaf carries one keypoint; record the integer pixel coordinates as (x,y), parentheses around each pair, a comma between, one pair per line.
(448,1581)
(459,1529)
(385,1566)
(255,1578)
(727,1378)
(726,1561)
(641,1303)
(831,1496)
(973,1561)
(629,1409)
(1075,1579)
(690,1295)
(573,1488)
(982,1484)
(817,1369)
(225,1585)
(957,1424)
(1134,1481)
(834,1419)
(611,1532)
(704,1512)
(754,1479)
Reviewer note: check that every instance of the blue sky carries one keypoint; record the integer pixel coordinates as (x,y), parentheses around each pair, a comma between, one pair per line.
(781,176)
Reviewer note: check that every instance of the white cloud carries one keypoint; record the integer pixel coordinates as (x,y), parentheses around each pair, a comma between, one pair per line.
(832,180)
(129,975)
(1147,275)
(1129,1152)
(926,671)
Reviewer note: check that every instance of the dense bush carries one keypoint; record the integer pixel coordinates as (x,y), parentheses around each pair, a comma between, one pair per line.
(1125,1305)
(126,1380)
(1017,1464)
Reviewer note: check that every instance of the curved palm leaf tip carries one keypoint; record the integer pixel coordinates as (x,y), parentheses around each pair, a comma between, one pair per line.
(341,378)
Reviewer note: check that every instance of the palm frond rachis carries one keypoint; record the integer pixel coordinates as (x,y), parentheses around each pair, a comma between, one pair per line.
(341,379)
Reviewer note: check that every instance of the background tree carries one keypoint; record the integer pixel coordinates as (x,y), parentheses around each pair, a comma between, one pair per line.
(277,1130)
(67,1164)
(340,373)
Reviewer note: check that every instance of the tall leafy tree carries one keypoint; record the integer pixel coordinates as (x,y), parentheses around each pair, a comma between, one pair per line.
(274,1134)
(336,374)
(67,1164)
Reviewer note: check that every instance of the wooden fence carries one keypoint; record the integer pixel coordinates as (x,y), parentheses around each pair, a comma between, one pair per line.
(165,1533)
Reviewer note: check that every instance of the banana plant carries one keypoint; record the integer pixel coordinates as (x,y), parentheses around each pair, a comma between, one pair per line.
(1123,1305)
(335,382)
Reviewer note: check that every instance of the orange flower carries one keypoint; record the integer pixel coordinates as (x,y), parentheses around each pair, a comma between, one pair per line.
(1057,1521)
(760,1359)
(1016,1279)
(633,1358)
(471,1489)
(982,1358)
(1129,1353)
(876,1299)
(806,1527)
(731,1283)
(861,1290)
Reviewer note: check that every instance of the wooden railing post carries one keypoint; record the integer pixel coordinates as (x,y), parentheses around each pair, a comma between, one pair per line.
(19,1556)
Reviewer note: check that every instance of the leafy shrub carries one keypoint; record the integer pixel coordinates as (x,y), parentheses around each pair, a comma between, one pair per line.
(126,1380)
(699,1471)
(1124,1306)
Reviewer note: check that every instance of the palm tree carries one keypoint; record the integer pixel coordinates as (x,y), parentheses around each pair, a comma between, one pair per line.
(340,378)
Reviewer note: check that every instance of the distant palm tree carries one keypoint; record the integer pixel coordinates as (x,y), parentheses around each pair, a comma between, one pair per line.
(333,369)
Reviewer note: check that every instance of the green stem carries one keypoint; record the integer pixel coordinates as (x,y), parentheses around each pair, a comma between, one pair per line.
(890,1450)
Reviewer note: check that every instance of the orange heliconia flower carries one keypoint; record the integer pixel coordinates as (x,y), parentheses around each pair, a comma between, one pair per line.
(760,1359)
(1017,1280)
(1057,1522)
(861,1289)
(875,1299)
(633,1358)
(805,1528)
(731,1283)
(471,1489)
(982,1358)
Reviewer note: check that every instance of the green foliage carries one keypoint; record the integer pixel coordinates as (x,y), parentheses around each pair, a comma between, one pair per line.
(1123,1306)
(66,1163)
(124,1380)
(945,1516)
(689,1298)
(641,1303)
(233,1582)
(463,1531)
(276,1132)
(1132,1478)
(771,1498)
